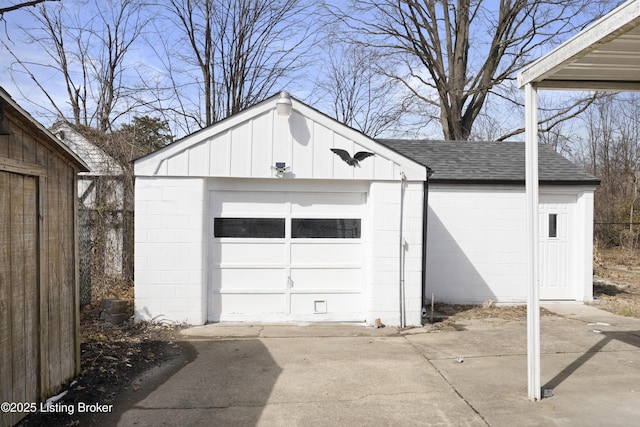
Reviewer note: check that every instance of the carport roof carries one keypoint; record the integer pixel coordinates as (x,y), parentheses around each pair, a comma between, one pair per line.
(604,56)
(488,162)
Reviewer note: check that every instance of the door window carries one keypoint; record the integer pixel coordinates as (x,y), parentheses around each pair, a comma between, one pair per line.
(553,225)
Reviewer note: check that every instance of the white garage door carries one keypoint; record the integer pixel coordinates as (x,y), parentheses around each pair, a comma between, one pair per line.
(556,247)
(286,256)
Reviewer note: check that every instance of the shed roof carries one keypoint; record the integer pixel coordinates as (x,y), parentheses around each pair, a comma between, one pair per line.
(489,162)
(8,104)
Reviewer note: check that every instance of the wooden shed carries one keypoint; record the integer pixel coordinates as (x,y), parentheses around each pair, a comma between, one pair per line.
(39,310)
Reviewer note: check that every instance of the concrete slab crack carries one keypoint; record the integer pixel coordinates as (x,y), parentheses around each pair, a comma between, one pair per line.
(451,386)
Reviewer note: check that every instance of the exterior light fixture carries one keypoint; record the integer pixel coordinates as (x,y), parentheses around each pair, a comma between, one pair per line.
(4,130)
(283,104)
(281,169)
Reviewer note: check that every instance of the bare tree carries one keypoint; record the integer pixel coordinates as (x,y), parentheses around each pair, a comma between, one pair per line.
(87,55)
(360,96)
(453,54)
(243,49)
(612,153)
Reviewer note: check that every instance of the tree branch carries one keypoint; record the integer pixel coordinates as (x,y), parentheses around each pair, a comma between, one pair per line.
(3,10)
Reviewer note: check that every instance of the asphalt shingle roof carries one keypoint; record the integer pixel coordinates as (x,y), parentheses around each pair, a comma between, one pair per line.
(489,162)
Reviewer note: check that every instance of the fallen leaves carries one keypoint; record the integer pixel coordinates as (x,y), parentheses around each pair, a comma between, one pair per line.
(111,357)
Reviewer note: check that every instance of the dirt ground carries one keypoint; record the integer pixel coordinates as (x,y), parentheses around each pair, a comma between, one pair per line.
(616,282)
(112,357)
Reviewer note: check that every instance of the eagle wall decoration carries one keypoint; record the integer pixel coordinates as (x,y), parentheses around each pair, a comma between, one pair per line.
(352,161)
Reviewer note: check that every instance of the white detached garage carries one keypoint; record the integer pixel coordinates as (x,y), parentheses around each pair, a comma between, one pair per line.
(256,218)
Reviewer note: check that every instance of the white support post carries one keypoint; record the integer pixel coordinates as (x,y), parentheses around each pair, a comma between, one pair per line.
(533,296)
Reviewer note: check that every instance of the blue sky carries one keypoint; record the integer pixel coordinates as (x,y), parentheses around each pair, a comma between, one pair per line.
(142,63)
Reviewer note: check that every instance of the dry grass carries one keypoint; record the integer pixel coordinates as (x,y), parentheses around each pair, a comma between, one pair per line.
(458,317)
(488,310)
(485,311)
(111,287)
(616,284)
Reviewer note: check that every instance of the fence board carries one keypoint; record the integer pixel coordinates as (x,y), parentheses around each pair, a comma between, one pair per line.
(31,303)
(46,384)
(76,277)
(54,369)
(6,361)
(67,290)
(17,254)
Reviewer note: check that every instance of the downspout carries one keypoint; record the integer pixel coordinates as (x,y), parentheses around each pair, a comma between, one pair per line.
(402,249)
(425,211)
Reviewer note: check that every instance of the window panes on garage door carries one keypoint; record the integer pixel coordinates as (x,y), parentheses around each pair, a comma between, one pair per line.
(323,228)
(259,228)
(272,228)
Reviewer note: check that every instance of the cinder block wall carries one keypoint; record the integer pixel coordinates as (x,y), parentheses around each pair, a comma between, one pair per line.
(477,244)
(169,252)
(384,252)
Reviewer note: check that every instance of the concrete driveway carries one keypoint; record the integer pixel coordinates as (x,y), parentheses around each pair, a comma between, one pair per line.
(336,374)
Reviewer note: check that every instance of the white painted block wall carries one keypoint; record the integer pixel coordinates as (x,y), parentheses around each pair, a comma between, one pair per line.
(169,254)
(170,272)
(476,244)
(585,245)
(383,283)
(476,248)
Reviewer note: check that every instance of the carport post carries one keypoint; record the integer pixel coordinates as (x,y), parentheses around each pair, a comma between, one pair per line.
(533,294)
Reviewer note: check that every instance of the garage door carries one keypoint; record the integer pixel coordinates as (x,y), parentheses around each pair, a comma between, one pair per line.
(286,256)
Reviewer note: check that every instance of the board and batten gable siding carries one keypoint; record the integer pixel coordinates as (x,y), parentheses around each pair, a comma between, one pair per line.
(39,311)
(248,144)
(477,248)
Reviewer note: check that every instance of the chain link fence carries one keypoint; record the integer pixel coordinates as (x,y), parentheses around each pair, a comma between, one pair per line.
(610,234)
(105,252)
(84,241)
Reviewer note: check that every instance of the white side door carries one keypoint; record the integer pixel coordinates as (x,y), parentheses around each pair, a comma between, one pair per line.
(557,231)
